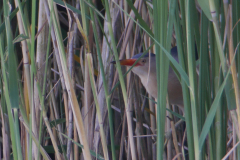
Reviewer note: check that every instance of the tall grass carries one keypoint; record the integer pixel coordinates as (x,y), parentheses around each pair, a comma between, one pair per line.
(62,98)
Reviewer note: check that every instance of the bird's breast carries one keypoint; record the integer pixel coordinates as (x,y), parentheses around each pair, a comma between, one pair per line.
(150,83)
(174,87)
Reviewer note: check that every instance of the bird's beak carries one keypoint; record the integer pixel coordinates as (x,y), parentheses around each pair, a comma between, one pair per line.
(126,62)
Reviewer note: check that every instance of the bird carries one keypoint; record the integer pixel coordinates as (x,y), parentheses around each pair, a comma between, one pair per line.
(145,69)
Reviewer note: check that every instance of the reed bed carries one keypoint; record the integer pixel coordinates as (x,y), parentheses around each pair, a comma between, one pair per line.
(62,98)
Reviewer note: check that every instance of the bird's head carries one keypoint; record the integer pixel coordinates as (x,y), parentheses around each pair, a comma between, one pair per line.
(145,65)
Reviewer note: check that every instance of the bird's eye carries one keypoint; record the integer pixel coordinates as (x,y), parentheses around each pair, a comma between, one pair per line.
(143,60)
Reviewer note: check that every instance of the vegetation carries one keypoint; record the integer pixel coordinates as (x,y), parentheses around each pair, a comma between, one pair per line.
(61,98)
